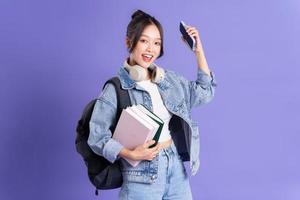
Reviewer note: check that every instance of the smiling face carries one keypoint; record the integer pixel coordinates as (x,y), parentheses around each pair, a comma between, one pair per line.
(147,48)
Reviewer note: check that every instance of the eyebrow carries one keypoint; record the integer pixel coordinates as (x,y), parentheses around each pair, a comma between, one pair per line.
(150,37)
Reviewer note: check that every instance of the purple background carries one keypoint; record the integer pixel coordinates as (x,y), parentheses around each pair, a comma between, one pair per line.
(55,56)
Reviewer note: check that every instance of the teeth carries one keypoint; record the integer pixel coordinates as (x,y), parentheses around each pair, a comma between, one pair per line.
(148,56)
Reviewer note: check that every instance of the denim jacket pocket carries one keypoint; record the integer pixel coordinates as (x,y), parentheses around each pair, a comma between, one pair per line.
(126,167)
(144,172)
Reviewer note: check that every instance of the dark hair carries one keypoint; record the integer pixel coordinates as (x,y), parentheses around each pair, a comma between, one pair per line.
(139,20)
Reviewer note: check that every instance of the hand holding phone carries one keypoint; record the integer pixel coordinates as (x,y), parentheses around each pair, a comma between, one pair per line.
(189,39)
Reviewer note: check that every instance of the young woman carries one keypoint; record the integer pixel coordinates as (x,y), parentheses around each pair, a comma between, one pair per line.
(161,173)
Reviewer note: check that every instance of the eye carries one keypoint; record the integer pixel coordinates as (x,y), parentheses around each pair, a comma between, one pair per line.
(143,40)
(158,43)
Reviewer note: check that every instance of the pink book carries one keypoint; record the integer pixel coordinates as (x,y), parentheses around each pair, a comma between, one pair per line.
(132,131)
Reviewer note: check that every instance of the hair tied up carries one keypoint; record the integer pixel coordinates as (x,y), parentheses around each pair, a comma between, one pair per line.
(139,21)
(139,13)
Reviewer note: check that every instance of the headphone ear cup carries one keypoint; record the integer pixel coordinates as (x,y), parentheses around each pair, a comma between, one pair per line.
(158,75)
(137,73)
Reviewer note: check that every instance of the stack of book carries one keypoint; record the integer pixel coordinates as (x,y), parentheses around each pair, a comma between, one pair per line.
(136,126)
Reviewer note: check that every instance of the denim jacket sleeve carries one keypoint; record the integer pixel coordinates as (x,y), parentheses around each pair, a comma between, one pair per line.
(103,116)
(201,90)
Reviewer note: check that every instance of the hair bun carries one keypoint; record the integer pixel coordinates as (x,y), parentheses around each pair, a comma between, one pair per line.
(138,14)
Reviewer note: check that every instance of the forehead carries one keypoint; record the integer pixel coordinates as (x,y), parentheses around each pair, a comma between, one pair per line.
(151,31)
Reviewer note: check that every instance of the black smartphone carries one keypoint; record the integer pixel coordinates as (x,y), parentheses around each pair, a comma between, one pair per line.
(190,40)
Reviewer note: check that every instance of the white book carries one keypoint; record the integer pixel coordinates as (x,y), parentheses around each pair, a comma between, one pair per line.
(142,114)
(146,111)
(133,130)
(155,118)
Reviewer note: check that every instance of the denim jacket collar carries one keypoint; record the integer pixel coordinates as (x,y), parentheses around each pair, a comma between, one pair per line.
(125,79)
(164,84)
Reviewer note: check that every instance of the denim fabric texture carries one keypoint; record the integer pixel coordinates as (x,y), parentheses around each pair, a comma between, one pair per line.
(171,181)
(179,96)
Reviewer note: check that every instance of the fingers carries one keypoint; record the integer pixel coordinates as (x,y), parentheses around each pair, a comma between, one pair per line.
(149,143)
(154,149)
(192,31)
(191,28)
(153,152)
(146,153)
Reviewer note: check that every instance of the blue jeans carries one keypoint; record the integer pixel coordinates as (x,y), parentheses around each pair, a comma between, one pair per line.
(172,182)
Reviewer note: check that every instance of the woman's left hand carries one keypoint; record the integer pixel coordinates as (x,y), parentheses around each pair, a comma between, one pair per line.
(199,53)
(193,32)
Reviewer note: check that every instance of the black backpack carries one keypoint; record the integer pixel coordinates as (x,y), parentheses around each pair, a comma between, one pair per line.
(102,173)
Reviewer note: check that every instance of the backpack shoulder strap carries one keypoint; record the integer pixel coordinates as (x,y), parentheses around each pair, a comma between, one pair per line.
(123,98)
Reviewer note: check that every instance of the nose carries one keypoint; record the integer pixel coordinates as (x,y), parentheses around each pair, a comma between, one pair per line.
(149,47)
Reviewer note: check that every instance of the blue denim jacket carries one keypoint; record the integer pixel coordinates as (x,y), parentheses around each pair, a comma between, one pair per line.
(179,96)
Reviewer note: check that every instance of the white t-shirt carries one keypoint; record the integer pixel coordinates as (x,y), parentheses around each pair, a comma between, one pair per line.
(158,107)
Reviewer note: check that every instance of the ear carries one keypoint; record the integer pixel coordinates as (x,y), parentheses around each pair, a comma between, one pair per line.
(128,43)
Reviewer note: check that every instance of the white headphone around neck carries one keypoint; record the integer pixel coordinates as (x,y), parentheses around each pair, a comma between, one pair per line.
(139,73)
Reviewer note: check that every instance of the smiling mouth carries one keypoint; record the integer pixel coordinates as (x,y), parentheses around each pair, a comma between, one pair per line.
(147,57)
